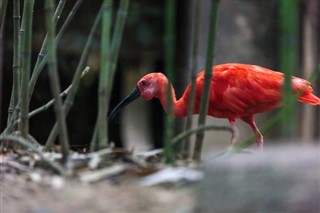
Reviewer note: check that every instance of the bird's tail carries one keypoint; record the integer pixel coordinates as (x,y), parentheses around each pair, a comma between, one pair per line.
(304,91)
(309,98)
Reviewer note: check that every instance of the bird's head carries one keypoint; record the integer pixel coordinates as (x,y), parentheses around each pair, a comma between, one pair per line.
(149,86)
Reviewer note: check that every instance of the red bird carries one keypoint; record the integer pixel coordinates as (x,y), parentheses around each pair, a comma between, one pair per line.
(238,91)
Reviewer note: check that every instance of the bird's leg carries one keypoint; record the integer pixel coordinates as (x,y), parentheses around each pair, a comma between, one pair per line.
(259,138)
(235,133)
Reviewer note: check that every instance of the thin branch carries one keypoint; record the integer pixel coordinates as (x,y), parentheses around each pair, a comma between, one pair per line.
(207,79)
(75,81)
(54,166)
(54,80)
(43,62)
(41,56)
(68,20)
(51,102)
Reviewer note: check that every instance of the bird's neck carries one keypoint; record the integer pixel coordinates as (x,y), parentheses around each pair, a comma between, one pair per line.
(179,106)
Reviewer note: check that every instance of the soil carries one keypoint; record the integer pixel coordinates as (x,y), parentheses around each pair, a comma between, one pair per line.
(34,188)
(19,194)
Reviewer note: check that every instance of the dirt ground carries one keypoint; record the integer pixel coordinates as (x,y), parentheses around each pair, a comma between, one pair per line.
(19,194)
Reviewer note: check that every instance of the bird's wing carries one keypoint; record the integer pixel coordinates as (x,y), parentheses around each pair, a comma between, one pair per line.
(246,89)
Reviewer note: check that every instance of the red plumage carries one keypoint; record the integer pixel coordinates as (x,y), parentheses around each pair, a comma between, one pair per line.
(238,91)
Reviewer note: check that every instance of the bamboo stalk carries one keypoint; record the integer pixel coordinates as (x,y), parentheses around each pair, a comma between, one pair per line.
(288,57)
(116,39)
(16,59)
(68,20)
(169,67)
(207,79)
(193,74)
(54,80)
(111,66)
(36,71)
(26,65)
(41,56)
(101,122)
(51,102)
(42,59)
(75,81)
(41,65)
(3,9)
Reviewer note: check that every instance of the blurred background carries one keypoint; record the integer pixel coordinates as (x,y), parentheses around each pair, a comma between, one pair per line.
(247,32)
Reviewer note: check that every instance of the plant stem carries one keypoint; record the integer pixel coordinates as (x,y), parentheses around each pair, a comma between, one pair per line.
(54,166)
(207,79)
(288,58)
(43,62)
(3,9)
(194,62)
(26,65)
(68,20)
(41,56)
(169,66)
(51,102)
(110,65)
(75,81)
(101,123)
(16,59)
(54,80)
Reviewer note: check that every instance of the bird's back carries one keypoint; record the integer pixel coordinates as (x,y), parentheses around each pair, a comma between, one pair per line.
(239,90)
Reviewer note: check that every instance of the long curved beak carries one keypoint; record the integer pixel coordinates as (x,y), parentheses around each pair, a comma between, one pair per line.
(131,97)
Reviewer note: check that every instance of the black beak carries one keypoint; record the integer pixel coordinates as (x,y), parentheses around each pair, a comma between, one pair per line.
(131,97)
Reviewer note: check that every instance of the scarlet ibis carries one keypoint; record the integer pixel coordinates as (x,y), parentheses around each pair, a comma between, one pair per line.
(238,91)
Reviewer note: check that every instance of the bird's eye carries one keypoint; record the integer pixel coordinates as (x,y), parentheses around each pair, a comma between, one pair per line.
(144,83)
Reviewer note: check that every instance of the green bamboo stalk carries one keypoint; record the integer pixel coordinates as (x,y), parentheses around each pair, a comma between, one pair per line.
(26,65)
(193,74)
(54,80)
(207,79)
(111,62)
(39,65)
(68,19)
(116,40)
(51,102)
(101,123)
(288,11)
(15,93)
(36,71)
(169,67)
(3,9)
(42,54)
(75,81)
